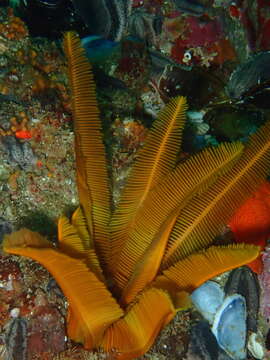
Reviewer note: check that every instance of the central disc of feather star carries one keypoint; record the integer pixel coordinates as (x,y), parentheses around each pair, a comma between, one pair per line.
(126,273)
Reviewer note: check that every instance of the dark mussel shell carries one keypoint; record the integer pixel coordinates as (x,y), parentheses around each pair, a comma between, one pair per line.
(198,85)
(243,281)
(250,82)
(203,344)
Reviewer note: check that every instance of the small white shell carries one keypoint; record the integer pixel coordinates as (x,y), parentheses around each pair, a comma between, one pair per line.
(15,312)
(195,117)
(255,346)
(202,129)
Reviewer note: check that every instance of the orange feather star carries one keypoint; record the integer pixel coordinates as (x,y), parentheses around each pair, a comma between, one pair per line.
(126,272)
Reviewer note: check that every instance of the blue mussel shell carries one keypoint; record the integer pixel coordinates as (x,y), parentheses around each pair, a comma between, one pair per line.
(228,317)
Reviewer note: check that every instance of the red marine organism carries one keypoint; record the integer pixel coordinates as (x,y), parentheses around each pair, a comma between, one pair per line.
(251,222)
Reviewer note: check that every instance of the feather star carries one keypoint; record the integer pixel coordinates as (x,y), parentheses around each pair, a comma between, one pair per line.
(126,272)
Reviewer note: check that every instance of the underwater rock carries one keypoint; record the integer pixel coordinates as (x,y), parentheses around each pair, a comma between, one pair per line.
(19,153)
(4,173)
(145,27)
(207,299)
(264,279)
(11,98)
(190,7)
(46,332)
(16,339)
(5,228)
(52,286)
(230,327)
(105,81)
(267,340)
(250,82)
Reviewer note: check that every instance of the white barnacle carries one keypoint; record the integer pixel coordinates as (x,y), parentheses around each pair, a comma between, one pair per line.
(187,57)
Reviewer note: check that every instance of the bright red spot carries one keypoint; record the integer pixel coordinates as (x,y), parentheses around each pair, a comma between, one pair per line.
(23,134)
(251,222)
(234,11)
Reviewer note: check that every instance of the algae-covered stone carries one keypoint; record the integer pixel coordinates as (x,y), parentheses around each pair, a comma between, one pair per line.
(4,173)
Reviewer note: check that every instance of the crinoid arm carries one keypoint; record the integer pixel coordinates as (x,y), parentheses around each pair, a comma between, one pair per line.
(91,164)
(89,316)
(134,334)
(193,271)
